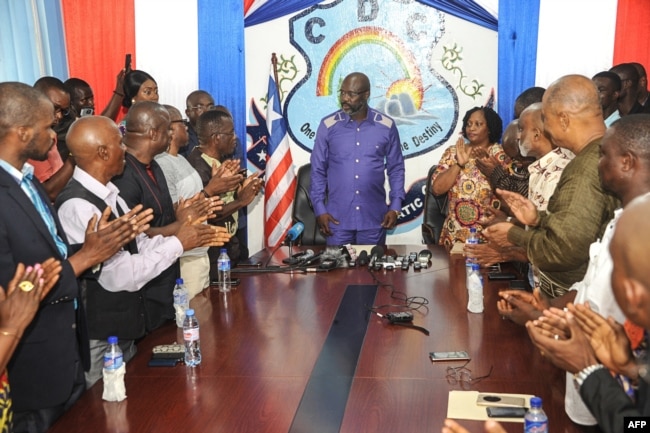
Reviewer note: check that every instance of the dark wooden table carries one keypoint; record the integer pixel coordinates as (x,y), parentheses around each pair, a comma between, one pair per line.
(261,341)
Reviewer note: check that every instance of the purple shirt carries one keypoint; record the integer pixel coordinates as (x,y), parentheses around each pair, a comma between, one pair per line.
(347,167)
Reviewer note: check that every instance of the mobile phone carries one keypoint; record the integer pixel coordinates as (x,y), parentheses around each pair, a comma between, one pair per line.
(233,282)
(518,284)
(500,400)
(459,355)
(506,412)
(163,362)
(127,63)
(501,276)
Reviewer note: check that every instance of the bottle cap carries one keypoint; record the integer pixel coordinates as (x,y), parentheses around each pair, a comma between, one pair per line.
(179,281)
(472,229)
(224,250)
(112,339)
(476,266)
(189,312)
(535,402)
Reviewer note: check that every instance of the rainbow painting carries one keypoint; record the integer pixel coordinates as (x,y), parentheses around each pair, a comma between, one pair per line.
(355,38)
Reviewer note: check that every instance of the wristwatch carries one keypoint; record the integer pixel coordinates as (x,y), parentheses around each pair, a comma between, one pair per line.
(582,375)
(459,165)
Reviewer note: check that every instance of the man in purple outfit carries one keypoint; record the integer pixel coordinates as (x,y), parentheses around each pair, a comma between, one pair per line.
(354,147)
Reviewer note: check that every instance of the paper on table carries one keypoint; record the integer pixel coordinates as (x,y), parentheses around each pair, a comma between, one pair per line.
(462,405)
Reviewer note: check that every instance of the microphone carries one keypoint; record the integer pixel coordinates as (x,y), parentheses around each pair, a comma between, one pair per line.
(363,258)
(305,256)
(294,232)
(376,252)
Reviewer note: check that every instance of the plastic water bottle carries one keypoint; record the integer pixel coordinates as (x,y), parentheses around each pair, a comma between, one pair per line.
(223,265)
(181,301)
(113,357)
(535,420)
(191,337)
(474,289)
(472,239)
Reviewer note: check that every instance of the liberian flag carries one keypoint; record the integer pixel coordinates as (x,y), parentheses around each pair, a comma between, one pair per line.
(279,176)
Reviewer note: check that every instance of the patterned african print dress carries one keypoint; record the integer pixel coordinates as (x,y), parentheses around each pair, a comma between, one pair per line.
(468,196)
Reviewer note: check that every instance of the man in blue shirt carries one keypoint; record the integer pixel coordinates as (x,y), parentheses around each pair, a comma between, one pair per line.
(354,147)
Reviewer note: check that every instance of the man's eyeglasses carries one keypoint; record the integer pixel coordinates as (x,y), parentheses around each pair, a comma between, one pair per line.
(201,107)
(223,133)
(60,110)
(183,121)
(463,375)
(350,94)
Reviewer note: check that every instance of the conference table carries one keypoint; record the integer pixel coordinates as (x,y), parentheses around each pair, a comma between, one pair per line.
(280,356)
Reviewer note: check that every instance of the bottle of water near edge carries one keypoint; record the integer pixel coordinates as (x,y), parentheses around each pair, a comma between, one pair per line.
(191,337)
(472,239)
(113,357)
(223,266)
(181,301)
(535,420)
(474,289)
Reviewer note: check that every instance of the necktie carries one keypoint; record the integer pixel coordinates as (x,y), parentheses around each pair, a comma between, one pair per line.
(41,207)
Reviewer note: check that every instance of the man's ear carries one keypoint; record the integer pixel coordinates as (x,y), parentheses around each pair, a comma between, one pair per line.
(102,151)
(564,120)
(637,297)
(24,133)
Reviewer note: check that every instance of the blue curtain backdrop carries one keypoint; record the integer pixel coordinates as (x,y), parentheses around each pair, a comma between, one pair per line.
(31,41)
(517,52)
(221,57)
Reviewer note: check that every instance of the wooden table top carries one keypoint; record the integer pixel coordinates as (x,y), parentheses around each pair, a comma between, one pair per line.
(260,342)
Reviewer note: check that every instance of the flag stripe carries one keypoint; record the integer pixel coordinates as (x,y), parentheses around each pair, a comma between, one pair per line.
(280,175)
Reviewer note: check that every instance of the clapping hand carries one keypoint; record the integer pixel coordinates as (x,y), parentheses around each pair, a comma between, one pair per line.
(520,306)
(608,340)
(522,208)
(572,354)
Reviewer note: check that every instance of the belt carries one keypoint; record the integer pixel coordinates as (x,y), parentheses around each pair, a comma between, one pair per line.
(550,287)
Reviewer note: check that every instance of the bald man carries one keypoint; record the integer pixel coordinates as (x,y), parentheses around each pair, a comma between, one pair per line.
(558,239)
(148,134)
(115,293)
(356,147)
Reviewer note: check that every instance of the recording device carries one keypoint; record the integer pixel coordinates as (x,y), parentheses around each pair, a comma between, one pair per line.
(405,265)
(389,263)
(413,257)
(233,282)
(86,112)
(417,266)
(403,316)
(424,257)
(127,63)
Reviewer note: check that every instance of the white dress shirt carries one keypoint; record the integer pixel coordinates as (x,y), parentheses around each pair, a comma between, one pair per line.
(124,271)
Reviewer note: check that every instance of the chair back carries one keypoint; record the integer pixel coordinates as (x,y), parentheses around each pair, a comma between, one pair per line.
(436,208)
(303,210)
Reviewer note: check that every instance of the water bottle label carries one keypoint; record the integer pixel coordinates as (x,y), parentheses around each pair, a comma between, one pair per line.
(224,265)
(536,426)
(191,334)
(112,363)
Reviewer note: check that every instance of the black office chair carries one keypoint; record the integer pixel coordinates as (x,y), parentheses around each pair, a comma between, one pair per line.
(436,208)
(303,210)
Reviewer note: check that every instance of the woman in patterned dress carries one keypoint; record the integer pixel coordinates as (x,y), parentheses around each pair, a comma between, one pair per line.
(457,174)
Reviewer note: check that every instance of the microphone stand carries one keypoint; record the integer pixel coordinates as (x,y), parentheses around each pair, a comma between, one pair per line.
(290,260)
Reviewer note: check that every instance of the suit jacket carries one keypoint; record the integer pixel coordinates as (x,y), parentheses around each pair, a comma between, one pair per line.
(609,404)
(42,369)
